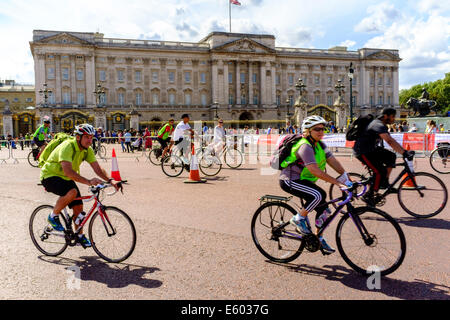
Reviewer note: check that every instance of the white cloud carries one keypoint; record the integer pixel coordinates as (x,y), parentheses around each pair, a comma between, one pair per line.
(348,43)
(380,16)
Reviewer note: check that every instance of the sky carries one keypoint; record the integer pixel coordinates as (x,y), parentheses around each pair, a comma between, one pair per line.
(419,29)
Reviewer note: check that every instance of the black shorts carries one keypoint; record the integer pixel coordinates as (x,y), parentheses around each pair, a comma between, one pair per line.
(38,142)
(61,187)
(163,142)
(378,161)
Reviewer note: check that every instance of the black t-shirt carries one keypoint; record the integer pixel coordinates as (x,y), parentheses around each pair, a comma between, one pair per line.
(370,139)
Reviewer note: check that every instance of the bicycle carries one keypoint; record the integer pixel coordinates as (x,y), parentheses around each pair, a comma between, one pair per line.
(99,148)
(173,165)
(231,156)
(416,193)
(155,154)
(439,160)
(362,248)
(33,156)
(109,226)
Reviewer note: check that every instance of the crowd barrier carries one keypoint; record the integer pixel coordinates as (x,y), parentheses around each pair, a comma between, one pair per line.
(248,144)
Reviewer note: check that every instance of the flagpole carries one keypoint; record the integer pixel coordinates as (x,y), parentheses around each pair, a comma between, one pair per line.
(229,10)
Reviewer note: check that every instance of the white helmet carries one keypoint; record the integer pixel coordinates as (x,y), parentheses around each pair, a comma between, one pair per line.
(312,121)
(84,128)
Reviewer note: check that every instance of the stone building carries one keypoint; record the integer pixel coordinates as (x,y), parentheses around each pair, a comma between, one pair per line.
(234,76)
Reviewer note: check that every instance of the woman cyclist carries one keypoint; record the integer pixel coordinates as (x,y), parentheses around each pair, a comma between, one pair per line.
(302,168)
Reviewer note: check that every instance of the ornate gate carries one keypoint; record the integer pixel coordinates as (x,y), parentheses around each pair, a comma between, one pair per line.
(71,119)
(324,111)
(118,121)
(26,123)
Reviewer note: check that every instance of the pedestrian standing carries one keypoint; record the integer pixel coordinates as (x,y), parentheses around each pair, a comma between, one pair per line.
(127,137)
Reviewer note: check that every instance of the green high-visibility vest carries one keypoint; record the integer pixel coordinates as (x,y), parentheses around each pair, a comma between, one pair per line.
(319,154)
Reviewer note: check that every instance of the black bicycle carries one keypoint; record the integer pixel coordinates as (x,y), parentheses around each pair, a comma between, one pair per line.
(420,194)
(374,241)
(439,160)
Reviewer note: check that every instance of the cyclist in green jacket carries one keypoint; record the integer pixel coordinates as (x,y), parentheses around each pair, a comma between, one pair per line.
(164,136)
(41,133)
(301,170)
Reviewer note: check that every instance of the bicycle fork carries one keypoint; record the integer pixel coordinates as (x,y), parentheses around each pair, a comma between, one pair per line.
(105,220)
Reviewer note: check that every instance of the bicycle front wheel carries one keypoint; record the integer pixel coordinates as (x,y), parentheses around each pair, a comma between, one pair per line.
(384,248)
(32,161)
(275,243)
(172,165)
(335,192)
(439,160)
(426,200)
(102,152)
(48,241)
(112,234)
(210,165)
(233,158)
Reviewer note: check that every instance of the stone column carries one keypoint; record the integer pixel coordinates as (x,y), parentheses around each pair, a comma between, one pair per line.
(7,120)
(273,99)
(100,118)
(238,83)
(214,84)
(262,86)
(367,85)
(250,83)
(39,76)
(73,79)
(90,80)
(163,81)
(395,87)
(58,89)
(226,85)
(375,71)
(134,120)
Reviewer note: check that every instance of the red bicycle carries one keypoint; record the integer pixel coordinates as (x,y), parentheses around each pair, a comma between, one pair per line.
(111,231)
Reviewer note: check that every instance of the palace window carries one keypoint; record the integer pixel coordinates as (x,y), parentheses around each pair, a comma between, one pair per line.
(137,76)
(255,78)
(29,100)
(277,79)
(230,77)
(255,98)
(380,81)
(291,100)
(330,80)
(171,76)
(317,79)
(102,75)
(121,98)
(51,73)
(51,98)
(171,99)
(230,99)
(187,99)
(65,73)
(203,98)
(120,75)
(155,99)
(187,76)
(202,77)
(380,100)
(66,98)
(316,99)
(242,77)
(80,98)
(389,99)
(291,79)
(371,100)
(138,99)
(80,74)
(329,100)
(243,99)
(278,100)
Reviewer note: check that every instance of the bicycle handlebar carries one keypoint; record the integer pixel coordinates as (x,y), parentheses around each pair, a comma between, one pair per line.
(101,186)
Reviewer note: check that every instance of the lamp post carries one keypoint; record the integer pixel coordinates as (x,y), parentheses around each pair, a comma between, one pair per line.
(98,94)
(350,76)
(46,93)
(215,106)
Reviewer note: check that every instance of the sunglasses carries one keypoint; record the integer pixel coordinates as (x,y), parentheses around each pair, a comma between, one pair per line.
(220,122)
(318,129)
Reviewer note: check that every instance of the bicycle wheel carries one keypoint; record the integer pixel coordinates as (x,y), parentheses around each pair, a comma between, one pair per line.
(385,248)
(32,161)
(210,165)
(233,158)
(439,160)
(112,235)
(335,192)
(102,152)
(425,201)
(155,156)
(48,241)
(172,165)
(279,245)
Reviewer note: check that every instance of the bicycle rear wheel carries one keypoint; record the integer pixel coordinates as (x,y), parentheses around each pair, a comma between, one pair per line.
(48,241)
(279,245)
(32,161)
(210,165)
(425,201)
(440,161)
(172,165)
(113,235)
(155,156)
(102,152)
(233,158)
(383,251)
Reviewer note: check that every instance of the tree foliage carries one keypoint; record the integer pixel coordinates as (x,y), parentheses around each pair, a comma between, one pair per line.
(439,91)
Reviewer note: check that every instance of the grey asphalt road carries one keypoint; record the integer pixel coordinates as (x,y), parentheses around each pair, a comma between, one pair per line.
(194,242)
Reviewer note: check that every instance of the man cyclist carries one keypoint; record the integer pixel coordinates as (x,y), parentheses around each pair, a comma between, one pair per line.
(41,134)
(182,144)
(218,142)
(369,149)
(302,168)
(164,136)
(62,170)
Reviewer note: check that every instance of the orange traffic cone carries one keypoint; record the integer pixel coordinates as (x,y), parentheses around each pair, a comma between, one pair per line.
(115,174)
(194,175)
(409,183)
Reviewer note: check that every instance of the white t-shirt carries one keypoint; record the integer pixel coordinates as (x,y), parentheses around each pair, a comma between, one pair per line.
(179,130)
(219,134)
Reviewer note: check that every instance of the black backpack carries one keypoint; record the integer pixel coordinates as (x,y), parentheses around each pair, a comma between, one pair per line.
(358,126)
(283,150)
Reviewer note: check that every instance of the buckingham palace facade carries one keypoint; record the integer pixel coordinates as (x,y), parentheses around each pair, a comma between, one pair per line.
(237,77)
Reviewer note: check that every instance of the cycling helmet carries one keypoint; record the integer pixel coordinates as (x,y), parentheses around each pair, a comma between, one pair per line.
(312,121)
(46,119)
(84,128)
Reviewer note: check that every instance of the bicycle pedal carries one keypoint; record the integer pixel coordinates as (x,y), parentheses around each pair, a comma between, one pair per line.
(324,252)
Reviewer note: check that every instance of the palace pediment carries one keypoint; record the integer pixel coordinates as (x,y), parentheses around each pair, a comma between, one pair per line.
(382,55)
(64,38)
(244,45)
